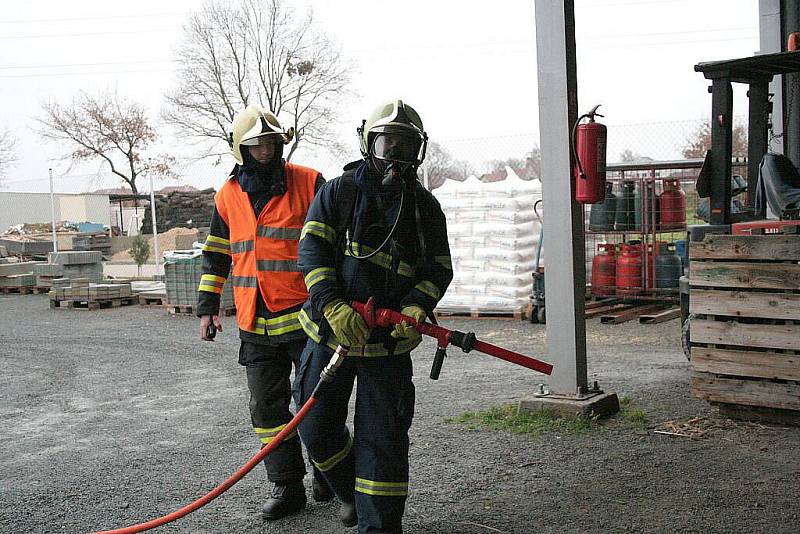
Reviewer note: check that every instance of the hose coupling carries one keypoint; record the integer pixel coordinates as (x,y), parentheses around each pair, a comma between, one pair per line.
(333,365)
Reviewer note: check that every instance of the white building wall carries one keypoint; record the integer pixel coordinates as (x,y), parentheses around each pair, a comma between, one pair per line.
(18,208)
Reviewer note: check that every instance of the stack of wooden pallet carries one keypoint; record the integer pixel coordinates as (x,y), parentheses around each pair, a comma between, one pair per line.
(745,325)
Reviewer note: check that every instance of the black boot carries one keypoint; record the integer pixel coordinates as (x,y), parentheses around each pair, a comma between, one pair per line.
(347,514)
(320,489)
(285,500)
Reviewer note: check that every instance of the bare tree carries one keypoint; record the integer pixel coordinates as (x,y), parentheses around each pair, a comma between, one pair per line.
(256,51)
(7,154)
(440,166)
(108,128)
(629,156)
(527,168)
(700,141)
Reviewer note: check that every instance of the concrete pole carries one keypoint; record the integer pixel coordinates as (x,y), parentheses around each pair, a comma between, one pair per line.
(155,227)
(771,42)
(565,270)
(53,212)
(790,17)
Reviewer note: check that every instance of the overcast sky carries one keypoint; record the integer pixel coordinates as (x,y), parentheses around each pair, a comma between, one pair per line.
(469,68)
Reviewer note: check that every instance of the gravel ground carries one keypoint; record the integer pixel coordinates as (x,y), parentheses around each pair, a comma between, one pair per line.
(116,416)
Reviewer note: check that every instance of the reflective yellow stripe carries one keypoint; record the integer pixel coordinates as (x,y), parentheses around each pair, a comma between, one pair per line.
(429,289)
(309,327)
(444,261)
(374,487)
(219,240)
(268,434)
(380,259)
(209,248)
(217,244)
(209,288)
(211,283)
(258,327)
(319,229)
(331,462)
(319,274)
(370,350)
(283,324)
(276,326)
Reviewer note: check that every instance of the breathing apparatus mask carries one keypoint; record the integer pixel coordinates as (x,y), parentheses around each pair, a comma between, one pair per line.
(394,142)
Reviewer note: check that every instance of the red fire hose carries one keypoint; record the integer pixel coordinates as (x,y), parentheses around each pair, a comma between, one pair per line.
(327,376)
(373,317)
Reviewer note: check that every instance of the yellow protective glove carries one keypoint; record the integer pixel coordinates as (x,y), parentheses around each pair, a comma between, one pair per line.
(406,330)
(347,325)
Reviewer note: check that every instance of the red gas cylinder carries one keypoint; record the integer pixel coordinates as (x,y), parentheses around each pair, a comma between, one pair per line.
(629,270)
(604,270)
(673,205)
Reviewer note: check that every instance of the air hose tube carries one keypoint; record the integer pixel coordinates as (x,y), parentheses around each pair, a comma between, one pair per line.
(327,376)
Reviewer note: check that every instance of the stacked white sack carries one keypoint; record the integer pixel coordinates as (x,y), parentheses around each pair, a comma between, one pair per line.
(493,233)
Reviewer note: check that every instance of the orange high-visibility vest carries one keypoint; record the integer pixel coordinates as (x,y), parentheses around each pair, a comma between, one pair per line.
(264,249)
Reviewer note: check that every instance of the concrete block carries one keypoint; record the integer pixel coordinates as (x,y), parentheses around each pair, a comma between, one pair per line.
(599,405)
(25,267)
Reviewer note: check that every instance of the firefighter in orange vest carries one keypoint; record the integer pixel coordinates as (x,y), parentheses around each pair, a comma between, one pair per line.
(256,224)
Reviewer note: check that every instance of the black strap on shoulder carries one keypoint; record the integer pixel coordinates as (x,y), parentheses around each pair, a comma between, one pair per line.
(345,199)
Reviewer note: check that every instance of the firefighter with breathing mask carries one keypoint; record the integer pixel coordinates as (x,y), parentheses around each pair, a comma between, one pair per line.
(374,232)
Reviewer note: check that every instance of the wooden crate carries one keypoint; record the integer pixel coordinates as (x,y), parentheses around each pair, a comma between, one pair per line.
(745,330)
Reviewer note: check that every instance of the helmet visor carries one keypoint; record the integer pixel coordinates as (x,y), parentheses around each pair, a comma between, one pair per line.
(266,139)
(395,146)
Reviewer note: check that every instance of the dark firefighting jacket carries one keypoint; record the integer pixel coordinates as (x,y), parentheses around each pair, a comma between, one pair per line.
(412,268)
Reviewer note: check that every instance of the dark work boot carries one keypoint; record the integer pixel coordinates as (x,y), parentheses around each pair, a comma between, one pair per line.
(347,514)
(284,500)
(320,489)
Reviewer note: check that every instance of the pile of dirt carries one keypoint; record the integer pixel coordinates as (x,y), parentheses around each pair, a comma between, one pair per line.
(166,241)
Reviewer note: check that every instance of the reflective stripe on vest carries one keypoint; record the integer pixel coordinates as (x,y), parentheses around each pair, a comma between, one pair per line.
(278,266)
(265,247)
(278,233)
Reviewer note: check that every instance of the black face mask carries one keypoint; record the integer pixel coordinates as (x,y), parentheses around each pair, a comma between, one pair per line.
(265,173)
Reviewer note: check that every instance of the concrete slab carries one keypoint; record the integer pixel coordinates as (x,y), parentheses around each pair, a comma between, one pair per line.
(593,405)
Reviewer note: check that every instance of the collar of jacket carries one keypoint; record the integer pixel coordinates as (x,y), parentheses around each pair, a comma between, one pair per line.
(250,183)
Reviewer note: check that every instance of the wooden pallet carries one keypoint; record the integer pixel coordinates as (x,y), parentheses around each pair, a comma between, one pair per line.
(185,309)
(18,290)
(519,315)
(91,304)
(152,301)
(745,331)
(660,316)
(630,314)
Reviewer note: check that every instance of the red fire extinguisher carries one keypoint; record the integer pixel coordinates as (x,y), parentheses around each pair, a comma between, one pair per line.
(589,150)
